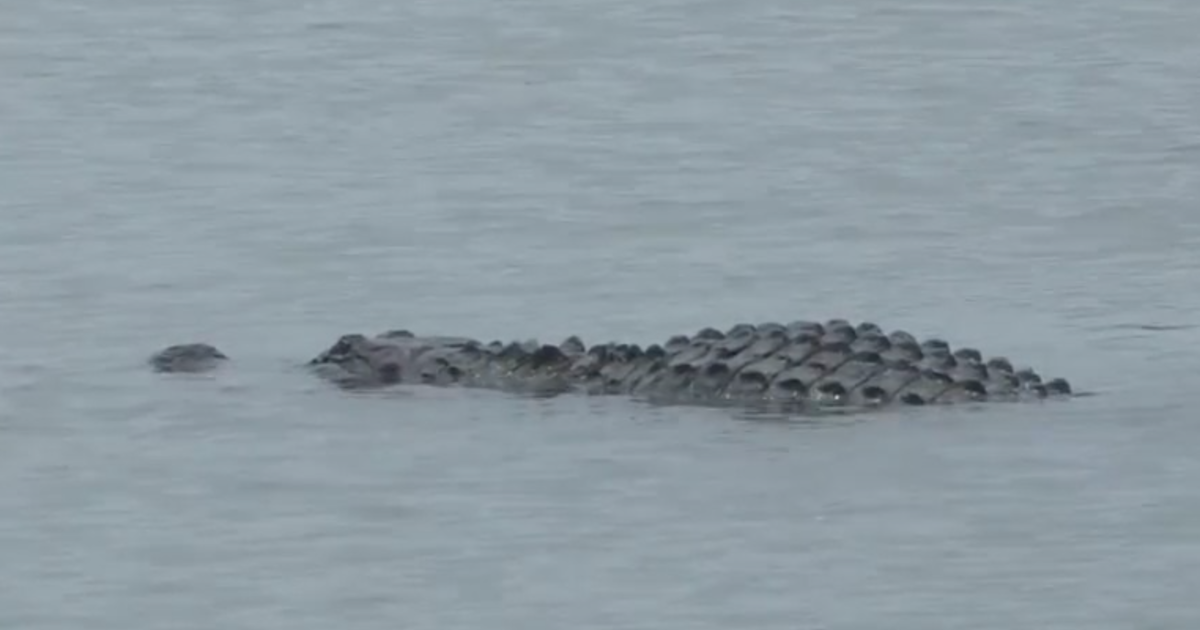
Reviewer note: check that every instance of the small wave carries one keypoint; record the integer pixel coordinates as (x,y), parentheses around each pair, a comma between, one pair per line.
(1154,327)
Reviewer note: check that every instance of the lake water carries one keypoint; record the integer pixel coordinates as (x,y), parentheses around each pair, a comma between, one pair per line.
(1018,176)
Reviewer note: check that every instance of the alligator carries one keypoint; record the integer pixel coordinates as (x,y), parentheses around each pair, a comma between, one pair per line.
(798,367)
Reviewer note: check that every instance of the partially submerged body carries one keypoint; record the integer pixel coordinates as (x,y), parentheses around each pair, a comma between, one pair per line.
(803,365)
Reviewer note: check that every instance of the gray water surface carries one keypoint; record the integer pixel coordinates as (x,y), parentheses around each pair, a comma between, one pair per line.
(1020,176)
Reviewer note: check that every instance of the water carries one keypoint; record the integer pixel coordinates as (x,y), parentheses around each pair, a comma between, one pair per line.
(1016,176)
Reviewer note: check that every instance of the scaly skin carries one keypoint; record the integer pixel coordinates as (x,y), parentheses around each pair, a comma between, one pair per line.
(800,366)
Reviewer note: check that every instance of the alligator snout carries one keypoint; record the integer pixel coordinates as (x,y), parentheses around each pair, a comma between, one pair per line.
(187,357)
